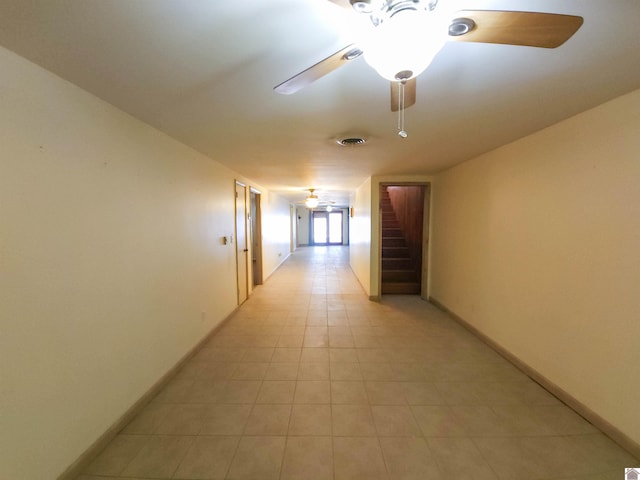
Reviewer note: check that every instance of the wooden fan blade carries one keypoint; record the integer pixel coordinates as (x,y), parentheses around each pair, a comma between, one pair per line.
(409,94)
(532,29)
(320,69)
(342,3)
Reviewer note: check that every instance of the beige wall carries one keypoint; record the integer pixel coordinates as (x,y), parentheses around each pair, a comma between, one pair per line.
(276,231)
(360,235)
(537,244)
(110,253)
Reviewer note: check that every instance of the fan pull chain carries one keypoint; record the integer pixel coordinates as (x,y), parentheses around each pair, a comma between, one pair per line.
(401,130)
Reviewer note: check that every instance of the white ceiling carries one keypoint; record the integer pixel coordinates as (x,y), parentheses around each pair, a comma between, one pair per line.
(203,71)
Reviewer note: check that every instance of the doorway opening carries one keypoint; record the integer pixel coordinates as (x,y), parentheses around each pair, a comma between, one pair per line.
(404,211)
(327,228)
(242,249)
(256,237)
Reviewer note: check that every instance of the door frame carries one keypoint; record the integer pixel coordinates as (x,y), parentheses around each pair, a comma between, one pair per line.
(426,219)
(241,203)
(255,223)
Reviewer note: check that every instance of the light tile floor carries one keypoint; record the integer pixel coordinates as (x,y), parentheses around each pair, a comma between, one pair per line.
(311,380)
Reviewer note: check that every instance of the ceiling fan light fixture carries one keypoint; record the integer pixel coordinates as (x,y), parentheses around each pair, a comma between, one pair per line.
(404,44)
(312,201)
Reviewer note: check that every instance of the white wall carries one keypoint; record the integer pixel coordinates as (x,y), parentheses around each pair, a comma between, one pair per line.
(360,236)
(110,250)
(537,244)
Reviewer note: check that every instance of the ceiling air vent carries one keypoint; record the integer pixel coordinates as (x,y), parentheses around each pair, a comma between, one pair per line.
(351,141)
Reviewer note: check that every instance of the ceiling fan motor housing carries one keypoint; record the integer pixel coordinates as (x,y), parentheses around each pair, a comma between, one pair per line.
(362,6)
(380,10)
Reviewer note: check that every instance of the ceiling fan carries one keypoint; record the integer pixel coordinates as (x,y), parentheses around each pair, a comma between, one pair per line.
(406,35)
(313,201)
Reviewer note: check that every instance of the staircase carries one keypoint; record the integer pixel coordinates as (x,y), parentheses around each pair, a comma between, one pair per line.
(400,272)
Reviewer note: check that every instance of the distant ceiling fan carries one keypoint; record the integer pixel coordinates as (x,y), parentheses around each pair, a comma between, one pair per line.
(407,34)
(313,201)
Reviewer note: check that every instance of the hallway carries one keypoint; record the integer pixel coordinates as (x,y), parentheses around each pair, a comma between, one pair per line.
(311,380)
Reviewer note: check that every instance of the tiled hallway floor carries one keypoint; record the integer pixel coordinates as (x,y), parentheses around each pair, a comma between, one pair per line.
(310,380)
